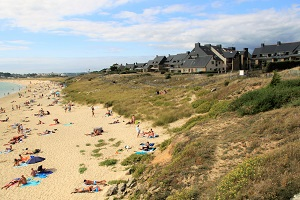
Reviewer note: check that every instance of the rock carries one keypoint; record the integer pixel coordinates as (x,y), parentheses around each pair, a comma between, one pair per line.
(131,183)
(213,89)
(123,187)
(112,190)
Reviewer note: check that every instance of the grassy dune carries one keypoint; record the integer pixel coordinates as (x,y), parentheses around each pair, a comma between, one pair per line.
(239,141)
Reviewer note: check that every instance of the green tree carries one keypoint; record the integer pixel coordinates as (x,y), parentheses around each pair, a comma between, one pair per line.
(276,79)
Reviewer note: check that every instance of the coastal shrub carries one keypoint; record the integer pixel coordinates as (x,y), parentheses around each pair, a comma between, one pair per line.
(164,145)
(97,155)
(226,82)
(197,103)
(101,143)
(138,170)
(234,181)
(88,144)
(82,168)
(267,98)
(108,104)
(168,76)
(275,80)
(134,158)
(218,108)
(204,107)
(113,182)
(108,162)
(272,176)
(117,144)
(190,193)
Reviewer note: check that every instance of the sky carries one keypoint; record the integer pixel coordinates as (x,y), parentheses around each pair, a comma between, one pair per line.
(43,36)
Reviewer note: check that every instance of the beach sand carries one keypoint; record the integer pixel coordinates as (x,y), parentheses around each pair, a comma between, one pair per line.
(67,148)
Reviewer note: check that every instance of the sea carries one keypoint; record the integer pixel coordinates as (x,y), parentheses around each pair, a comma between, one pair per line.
(9,88)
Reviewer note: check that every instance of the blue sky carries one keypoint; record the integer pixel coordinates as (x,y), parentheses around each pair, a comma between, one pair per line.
(80,35)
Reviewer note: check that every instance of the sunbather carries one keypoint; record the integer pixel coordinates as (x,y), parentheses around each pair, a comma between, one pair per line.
(27,152)
(90,182)
(33,172)
(5,120)
(83,190)
(145,147)
(11,183)
(22,181)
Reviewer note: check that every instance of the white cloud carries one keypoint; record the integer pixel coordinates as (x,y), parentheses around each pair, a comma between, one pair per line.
(14,45)
(67,17)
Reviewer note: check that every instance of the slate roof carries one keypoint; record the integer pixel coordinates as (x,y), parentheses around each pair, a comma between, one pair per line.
(276,48)
(199,62)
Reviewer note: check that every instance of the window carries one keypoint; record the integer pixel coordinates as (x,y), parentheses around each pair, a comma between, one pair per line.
(212,62)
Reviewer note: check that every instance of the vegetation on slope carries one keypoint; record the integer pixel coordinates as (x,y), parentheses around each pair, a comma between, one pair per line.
(216,154)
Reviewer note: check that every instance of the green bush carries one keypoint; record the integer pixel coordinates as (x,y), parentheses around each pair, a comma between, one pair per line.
(234,181)
(218,108)
(108,162)
(134,158)
(204,107)
(267,98)
(82,168)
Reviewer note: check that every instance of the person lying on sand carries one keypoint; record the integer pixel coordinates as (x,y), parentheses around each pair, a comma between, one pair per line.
(46,132)
(4,120)
(83,190)
(22,181)
(115,122)
(87,189)
(27,152)
(90,182)
(15,139)
(11,183)
(17,162)
(94,133)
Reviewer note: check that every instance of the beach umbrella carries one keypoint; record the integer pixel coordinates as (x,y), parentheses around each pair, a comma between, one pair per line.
(35,159)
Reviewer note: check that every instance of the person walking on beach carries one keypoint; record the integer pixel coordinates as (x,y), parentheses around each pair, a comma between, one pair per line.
(138,130)
(93,111)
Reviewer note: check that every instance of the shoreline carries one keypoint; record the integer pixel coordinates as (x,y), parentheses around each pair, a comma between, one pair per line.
(68,148)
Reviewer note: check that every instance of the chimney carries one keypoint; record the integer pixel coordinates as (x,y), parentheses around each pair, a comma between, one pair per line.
(262,45)
(208,45)
(219,45)
(197,44)
(188,52)
(278,43)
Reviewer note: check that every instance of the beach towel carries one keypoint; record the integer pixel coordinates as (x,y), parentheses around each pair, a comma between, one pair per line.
(31,183)
(69,124)
(143,152)
(5,151)
(52,124)
(41,176)
(21,165)
(150,144)
(44,174)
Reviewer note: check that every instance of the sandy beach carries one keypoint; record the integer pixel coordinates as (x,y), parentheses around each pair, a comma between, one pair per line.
(65,149)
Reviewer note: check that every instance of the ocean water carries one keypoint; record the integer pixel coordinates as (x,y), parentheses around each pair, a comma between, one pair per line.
(10,88)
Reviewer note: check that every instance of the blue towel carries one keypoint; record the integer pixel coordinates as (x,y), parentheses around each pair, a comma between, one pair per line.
(150,144)
(31,183)
(22,165)
(142,152)
(41,176)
